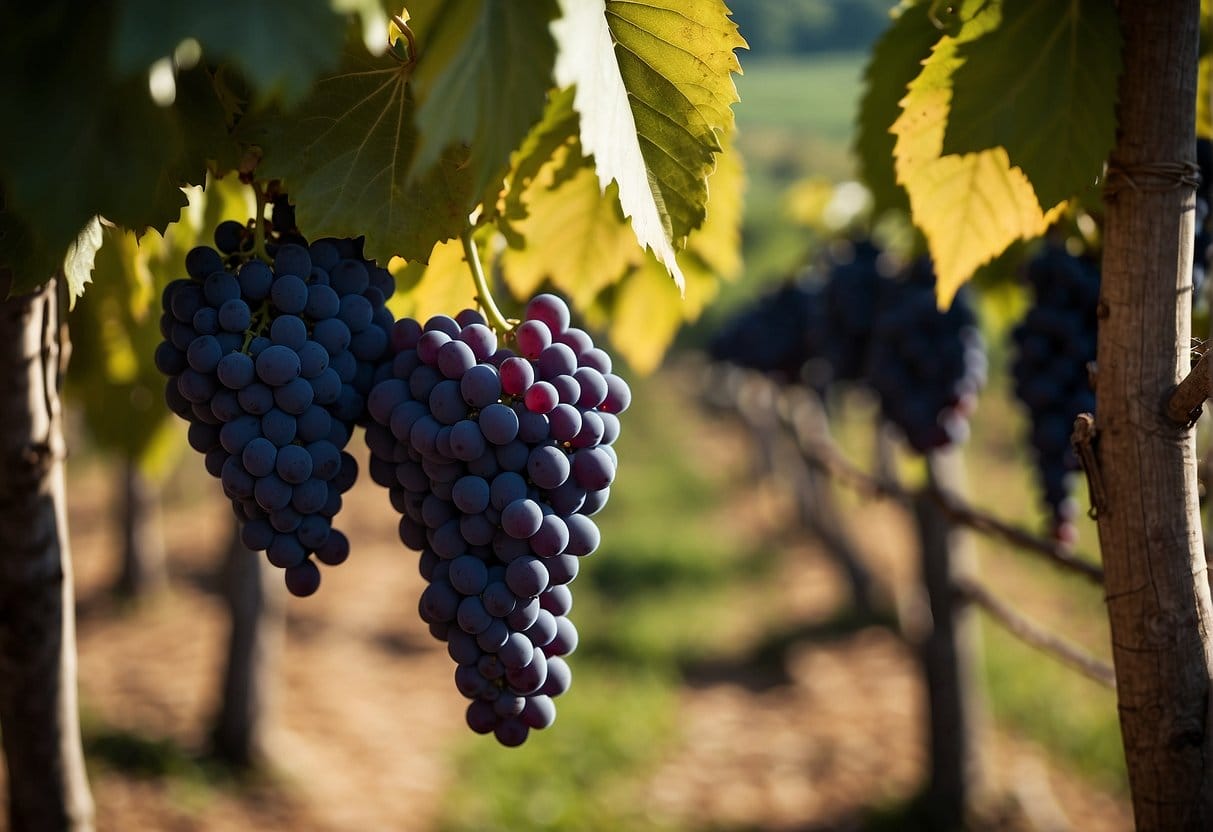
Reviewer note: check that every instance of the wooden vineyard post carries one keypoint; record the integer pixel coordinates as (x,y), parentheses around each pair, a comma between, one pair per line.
(819,510)
(255,597)
(950,650)
(1159,608)
(144,570)
(47,784)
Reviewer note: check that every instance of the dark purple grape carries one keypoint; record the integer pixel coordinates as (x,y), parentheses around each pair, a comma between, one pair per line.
(229,237)
(277,364)
(201,261)
(303,579)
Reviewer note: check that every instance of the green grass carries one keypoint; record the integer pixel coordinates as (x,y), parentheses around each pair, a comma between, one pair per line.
(581,773)
(1070,715)
(795,120)
(815,94)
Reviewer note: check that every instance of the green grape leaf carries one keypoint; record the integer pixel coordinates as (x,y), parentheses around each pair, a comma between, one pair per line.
(85,144)
(345,154)
(483,71)
(896,60)
(23,256)
(87,150)
(1055,112)
(654,90)
(281,46)
(969,207)
(81,255)
(204,120)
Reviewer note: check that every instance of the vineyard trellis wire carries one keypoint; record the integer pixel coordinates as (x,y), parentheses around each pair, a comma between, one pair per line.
(798,411)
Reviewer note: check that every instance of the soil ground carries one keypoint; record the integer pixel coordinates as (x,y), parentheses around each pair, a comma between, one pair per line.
(365,710)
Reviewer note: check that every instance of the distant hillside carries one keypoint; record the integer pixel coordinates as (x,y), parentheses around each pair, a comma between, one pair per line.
(791,27)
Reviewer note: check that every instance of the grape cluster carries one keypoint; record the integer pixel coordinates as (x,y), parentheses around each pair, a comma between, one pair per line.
(1052,347)
(270,364)
(814,329)
(497,458)
(864,323)
(926,365)
(777,334)
(853,283)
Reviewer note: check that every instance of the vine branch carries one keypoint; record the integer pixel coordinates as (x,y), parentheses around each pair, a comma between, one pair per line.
(1185,401)
(1034,635)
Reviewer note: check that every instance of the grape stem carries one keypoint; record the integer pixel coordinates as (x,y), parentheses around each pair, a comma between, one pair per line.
(484,297)
(257,326)
(410,56)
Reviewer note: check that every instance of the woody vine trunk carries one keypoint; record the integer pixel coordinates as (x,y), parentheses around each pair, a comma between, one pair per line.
(1149,523)
(48,789)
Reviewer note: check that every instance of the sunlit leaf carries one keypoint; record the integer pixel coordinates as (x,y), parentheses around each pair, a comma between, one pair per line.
(81,254)
(970,207)
(896,60)
(718,241)
(1042,84)
(481,79)
(643,312)
(557,129)
(574,237)
(654,88)
(442,286)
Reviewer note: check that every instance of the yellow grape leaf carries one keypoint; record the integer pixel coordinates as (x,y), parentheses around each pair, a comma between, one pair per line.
(969,207)
(805,201)
(642,313)
(718,241)
(441,288)
(703,285)
(576,238)
(645,313)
